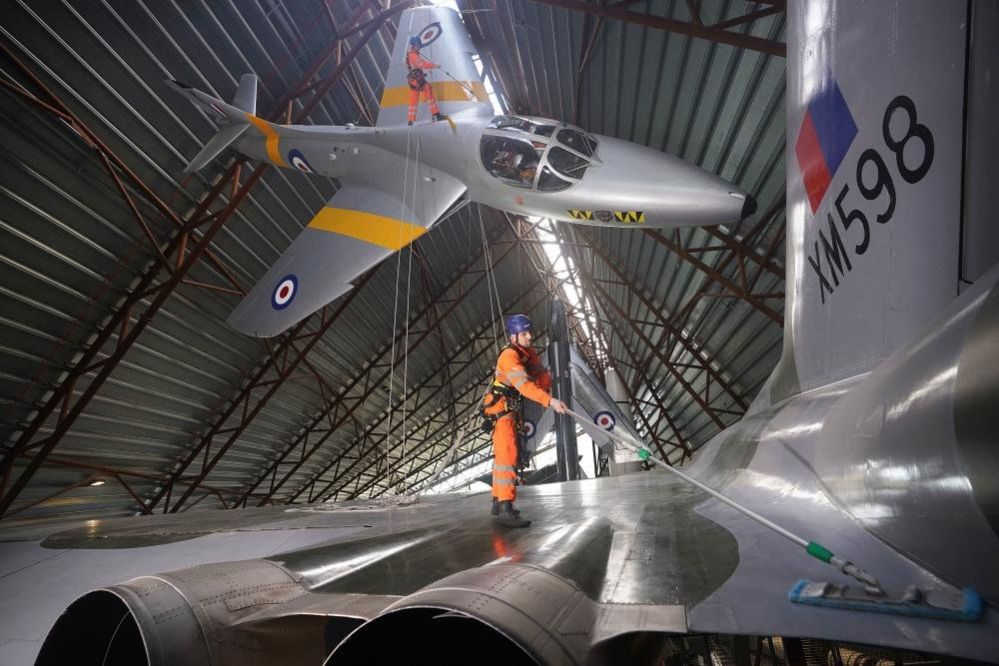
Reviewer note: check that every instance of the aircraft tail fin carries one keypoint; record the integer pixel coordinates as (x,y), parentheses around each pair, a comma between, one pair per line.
(443,60)
(245,98)
(234,118)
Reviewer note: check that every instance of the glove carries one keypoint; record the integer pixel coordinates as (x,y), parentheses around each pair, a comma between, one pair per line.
(558,406)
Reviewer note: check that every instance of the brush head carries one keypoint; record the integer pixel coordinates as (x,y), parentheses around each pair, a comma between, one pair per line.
(959,605)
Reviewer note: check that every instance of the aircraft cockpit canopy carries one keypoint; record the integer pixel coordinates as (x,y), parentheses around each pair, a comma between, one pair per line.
(535,153)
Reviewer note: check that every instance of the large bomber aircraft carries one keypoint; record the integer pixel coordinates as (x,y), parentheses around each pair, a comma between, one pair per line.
(398,179)
(876,433)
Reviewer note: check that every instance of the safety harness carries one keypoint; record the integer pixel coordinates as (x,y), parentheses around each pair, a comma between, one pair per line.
(497,390)
(416,77)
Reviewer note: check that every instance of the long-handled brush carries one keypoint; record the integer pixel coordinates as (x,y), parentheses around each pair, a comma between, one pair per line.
(935,604)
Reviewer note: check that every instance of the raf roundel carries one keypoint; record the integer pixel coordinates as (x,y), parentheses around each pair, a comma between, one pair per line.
(605,420)
(284,292)
(430,34)
(529,428)
(297,160)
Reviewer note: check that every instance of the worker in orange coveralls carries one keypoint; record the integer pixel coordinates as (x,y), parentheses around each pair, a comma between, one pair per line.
(519,372)
(417,80)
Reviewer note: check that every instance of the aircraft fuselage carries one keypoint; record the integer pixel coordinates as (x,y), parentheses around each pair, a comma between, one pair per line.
(624,184)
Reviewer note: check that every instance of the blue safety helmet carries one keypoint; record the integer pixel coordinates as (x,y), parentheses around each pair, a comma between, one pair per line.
(415,41)
(518,323)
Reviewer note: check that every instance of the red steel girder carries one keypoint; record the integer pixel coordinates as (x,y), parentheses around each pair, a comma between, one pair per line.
(143,289)
(681,315)
(606,300)
(666,323)
(572,249)
(675,246)
(590,278)
(712,33)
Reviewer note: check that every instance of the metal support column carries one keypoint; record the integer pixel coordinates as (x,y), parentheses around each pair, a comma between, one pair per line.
(565,427)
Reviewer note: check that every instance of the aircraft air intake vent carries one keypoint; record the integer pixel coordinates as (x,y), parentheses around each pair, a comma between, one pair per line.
(99,629)
(437,635)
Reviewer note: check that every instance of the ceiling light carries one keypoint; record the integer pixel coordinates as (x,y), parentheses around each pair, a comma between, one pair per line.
(97,482)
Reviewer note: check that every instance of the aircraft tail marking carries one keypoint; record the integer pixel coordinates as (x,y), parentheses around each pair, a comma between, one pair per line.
(271,144)
(385,232)
(444,91)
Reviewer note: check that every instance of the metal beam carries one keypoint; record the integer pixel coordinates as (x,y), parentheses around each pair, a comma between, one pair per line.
(605,300)
(681,315)
(675,246)
(670,25)
(666,323)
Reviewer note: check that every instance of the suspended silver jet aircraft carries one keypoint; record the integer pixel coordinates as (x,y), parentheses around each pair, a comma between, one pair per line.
(398,179)
(876,435)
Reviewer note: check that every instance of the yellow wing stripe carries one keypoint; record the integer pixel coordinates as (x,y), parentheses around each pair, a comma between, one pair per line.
(271,144)
(375,229)
(444,91)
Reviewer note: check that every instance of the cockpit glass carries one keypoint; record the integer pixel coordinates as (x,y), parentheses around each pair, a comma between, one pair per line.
(536,154)
(512,161)
(521,124)
(578,141)
(566,163)
(549,182)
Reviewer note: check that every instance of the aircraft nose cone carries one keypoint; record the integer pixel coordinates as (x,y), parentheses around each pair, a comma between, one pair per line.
(749,207)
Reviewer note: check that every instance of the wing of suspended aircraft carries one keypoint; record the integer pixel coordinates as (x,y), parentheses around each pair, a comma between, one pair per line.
(360,226)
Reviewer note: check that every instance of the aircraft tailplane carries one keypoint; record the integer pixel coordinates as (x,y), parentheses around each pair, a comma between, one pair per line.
(234,118)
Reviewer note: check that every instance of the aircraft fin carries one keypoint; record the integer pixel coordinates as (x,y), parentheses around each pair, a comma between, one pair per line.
(356,230)
(455,81)
(590,396)
(245,98)
(874,202)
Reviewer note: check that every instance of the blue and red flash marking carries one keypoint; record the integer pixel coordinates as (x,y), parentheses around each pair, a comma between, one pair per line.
(826,133)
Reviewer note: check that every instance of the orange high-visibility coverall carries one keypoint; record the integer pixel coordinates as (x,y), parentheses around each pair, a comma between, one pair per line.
(521,369)
(418,83)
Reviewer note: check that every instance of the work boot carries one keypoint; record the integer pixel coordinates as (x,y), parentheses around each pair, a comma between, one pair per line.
(508,518)
(495,508)
(410,123)
(440,116)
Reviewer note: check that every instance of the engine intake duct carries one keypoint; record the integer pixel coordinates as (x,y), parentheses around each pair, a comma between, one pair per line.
(250,612)
(535,608)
